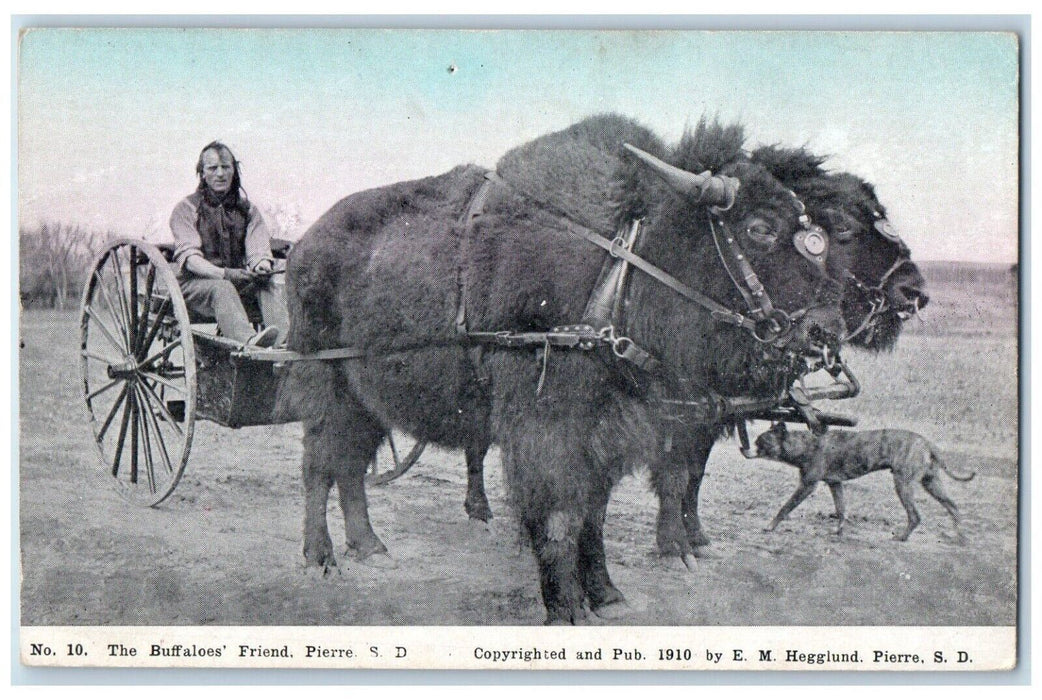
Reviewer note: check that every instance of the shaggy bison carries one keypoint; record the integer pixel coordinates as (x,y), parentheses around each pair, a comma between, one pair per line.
(882,289)
(467,298)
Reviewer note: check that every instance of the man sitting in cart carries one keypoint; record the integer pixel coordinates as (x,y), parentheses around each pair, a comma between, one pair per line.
(223,250)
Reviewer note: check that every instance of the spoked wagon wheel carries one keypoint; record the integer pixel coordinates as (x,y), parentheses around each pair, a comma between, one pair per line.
(401,464)
(138,363)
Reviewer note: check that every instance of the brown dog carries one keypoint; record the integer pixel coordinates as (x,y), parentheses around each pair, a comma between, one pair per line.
(839,455)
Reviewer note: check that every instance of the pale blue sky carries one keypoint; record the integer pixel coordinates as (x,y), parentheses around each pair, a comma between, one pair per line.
(111,120)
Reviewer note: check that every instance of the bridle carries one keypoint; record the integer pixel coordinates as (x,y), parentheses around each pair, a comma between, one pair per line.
(602,322)
(812,241)
(875,295)
(770,323)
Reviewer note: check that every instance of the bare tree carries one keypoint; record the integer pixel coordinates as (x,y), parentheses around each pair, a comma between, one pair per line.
(53,261)
(284,219)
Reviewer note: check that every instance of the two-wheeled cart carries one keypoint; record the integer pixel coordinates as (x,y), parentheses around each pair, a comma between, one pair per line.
(151,370)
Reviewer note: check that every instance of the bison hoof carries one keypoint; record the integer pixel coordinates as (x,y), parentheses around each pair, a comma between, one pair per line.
(671,546)
(705,552)
(323,570)
(689,559)
(577,618)
(613,611)
(379,560)
(698,539)
(480,512)
(479,527)
(565,616)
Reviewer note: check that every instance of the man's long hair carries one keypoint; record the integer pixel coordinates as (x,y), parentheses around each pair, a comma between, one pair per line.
(236,186)
(237,192)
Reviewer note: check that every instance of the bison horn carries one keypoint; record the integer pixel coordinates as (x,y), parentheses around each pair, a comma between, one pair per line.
(704,188)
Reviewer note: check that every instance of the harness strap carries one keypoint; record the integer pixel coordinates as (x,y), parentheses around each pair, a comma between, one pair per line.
(893,268)
(746,280)
(581,337)
(718,311)
(875,297)
(618,309)
(474,211)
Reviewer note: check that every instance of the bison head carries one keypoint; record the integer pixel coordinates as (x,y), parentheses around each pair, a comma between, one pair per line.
(884,284)
(726,226)
(883,287)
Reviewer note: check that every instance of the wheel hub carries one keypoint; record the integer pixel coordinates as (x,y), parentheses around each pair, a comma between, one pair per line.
(126,369)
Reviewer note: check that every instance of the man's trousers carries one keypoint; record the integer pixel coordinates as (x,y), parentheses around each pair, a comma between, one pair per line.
(221,301)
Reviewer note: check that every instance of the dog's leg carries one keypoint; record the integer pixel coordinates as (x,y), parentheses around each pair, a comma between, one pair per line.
(841,504)
(933,487)
(805,489)
(906,492)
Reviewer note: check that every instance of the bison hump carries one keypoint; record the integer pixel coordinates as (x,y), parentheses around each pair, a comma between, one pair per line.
(575,170)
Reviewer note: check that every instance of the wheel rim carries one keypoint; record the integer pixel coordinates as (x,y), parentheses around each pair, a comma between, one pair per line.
(138,363)
(401,464)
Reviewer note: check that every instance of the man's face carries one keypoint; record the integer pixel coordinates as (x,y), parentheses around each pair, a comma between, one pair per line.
(218,170)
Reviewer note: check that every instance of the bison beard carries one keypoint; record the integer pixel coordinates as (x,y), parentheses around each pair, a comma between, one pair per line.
(382,270)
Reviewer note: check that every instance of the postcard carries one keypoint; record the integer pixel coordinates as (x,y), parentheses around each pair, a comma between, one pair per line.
(629,349)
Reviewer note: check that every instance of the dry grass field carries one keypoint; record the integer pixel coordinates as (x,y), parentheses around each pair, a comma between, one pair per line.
(225,549)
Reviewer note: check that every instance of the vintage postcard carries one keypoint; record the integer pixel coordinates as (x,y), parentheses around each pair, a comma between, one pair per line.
(518,349)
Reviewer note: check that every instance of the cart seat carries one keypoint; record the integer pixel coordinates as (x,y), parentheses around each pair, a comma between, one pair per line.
(280,248)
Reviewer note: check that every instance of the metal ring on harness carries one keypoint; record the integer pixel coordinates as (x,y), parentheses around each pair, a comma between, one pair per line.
(620,344)
(617,243)
(770,329)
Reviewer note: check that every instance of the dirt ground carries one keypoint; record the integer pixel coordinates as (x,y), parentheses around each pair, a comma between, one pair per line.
(226,548)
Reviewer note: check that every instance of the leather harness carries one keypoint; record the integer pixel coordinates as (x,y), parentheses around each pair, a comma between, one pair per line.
(603,317)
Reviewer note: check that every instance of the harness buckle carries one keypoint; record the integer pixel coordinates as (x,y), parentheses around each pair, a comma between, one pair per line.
(773,327)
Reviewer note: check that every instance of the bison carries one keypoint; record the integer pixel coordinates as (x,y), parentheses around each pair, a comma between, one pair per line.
(442,281)
(882,288)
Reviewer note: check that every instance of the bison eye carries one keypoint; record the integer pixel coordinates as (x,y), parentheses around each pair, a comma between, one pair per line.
(762,234)
(840,225)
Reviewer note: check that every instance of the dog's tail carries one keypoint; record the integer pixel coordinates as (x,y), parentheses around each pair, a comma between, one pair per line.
(940,463)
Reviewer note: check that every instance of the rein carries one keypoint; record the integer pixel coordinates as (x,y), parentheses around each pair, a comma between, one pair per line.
(603,318)
(874,296)
(765,323)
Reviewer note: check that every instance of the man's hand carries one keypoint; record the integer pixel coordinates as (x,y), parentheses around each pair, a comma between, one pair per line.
(263,267)
(238,276)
